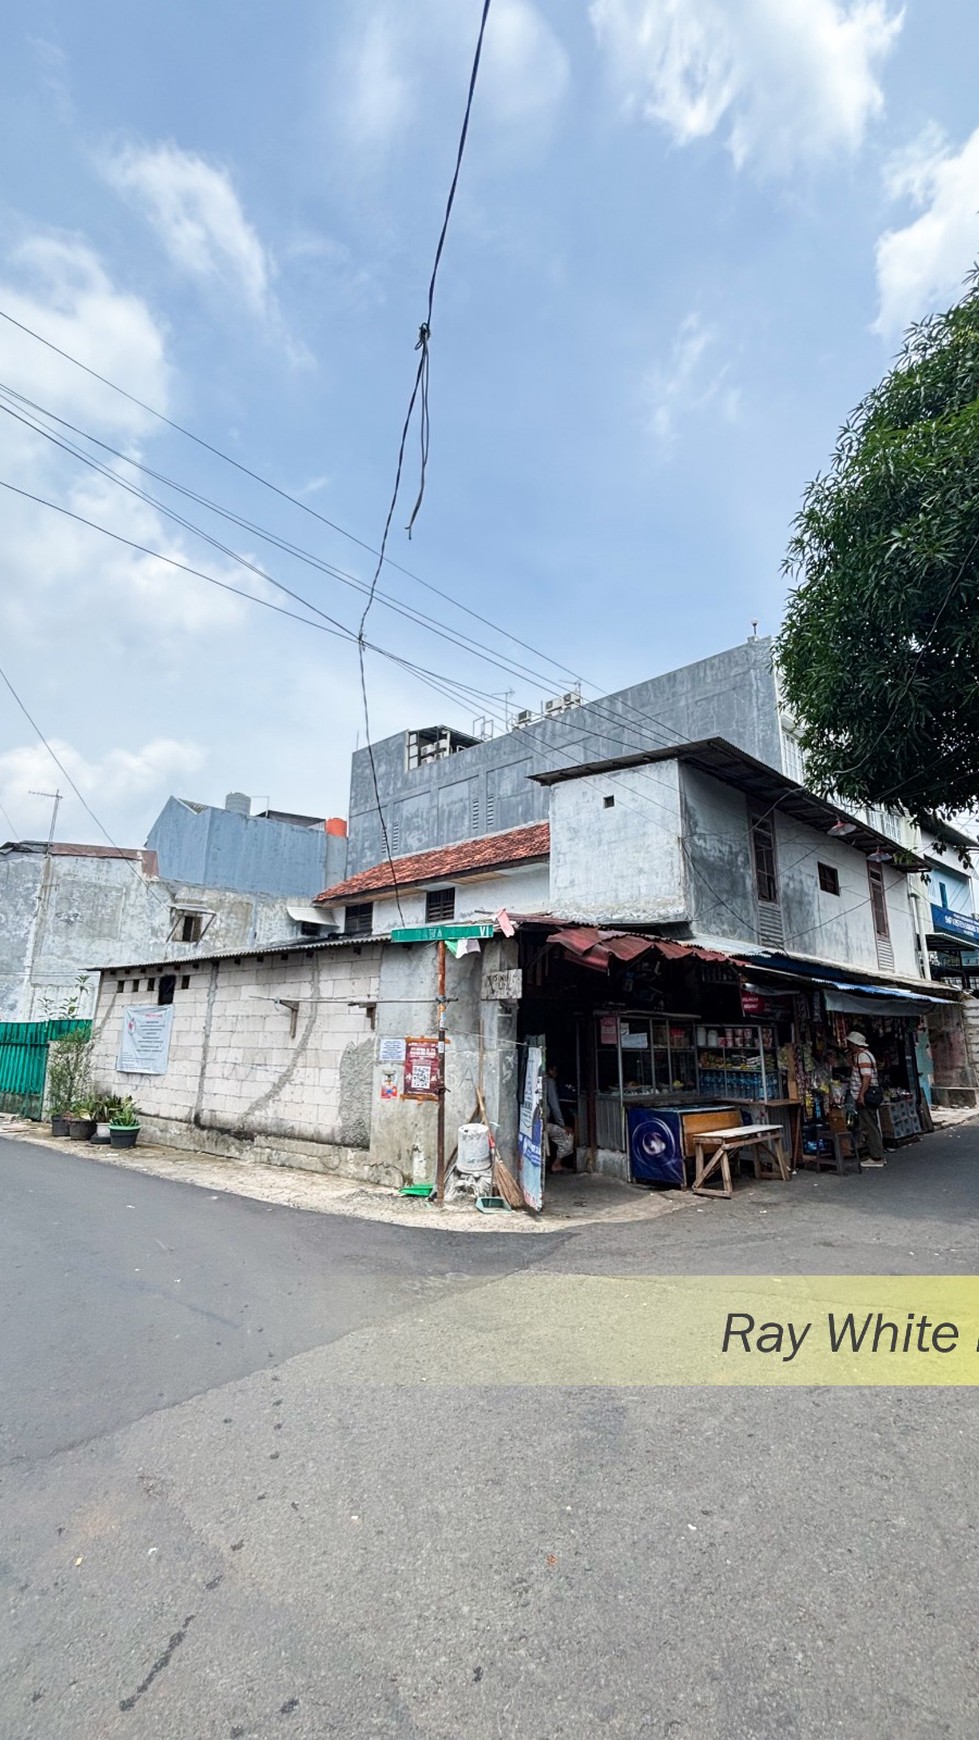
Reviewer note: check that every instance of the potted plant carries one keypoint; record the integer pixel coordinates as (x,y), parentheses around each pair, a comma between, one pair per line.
(69,1060)
(81,1123)
(124,1124)
(104,1108)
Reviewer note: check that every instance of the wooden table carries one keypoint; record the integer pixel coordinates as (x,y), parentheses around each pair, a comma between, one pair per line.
(713,1155)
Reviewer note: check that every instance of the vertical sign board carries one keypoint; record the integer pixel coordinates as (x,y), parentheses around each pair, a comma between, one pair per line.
(530,1140)
(422,1075)
(144,1048)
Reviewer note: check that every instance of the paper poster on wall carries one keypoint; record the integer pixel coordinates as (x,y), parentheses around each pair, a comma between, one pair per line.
(390,1049)
(608,1030)
(422,1075)
(144,1048)
(389,1084)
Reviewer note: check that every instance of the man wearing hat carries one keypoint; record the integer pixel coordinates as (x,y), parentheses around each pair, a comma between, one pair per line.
(866,1096)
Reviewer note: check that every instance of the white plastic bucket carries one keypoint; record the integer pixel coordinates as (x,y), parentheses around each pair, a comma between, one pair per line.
(474,1148)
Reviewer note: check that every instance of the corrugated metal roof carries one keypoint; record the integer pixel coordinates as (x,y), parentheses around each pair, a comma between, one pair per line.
(298,945)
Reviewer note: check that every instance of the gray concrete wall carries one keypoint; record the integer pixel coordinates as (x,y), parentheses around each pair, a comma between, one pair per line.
(487,789)
(481,1052)
(221,849)
(61,917)
(21,878)
(616,852)
(831,927)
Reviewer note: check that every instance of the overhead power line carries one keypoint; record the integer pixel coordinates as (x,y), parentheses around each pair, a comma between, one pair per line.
(647,720)
(419,390)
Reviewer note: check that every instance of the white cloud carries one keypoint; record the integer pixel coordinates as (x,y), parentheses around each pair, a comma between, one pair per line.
(687,381)
(390,65)
(198,217)
(926,262)
(787,80)
(56,286)
(117,779)
(59,576)
(525,71)
(376,95)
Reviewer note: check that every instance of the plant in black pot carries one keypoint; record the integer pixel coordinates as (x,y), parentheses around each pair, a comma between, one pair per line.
(81,1121)
(124,1124)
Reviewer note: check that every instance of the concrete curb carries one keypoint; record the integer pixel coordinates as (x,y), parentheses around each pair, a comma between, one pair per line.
(320,1193)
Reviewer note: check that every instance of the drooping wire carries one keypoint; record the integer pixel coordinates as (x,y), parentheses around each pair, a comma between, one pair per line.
(419,388)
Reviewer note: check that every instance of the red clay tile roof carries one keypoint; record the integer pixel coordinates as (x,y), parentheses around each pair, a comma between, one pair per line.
(492,852)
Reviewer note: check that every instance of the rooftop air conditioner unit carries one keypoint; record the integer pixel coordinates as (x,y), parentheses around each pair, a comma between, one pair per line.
(555,705)
(523,717)
(572,698)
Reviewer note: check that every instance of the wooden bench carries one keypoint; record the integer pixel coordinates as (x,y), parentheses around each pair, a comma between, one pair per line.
(713,1150)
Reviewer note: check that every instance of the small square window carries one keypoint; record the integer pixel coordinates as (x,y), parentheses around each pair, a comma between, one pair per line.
(151,984)
(358,920)
(440,905)
(190,930)
(609,802)
(167,986)
(829,878)
(120,984)
(135,985)
(185,982)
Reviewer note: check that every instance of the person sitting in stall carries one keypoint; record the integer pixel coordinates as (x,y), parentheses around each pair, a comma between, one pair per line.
(866,1095)
(559,1134)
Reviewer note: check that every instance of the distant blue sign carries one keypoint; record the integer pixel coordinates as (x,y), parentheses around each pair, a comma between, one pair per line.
(959,924)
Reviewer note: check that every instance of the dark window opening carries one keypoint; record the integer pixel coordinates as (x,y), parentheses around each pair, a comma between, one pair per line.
(358,920)
(185,982)
(829,878)
(190,930)
(168,984)
(440,905)
(120,984)
(135,985)
(763,848)
(878,900)
(609,803)
(151,984)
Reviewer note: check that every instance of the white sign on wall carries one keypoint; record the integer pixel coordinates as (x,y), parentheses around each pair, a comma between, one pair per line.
(145,1045)
(391,1049)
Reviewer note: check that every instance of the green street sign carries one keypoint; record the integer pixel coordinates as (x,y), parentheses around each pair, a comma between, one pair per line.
(441,932)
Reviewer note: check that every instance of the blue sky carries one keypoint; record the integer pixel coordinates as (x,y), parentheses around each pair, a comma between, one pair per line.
(688,236)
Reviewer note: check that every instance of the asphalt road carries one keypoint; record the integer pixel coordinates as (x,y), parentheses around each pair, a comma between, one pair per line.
(238,1501)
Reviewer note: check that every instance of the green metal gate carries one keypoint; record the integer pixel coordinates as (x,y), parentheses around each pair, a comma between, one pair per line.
(24,1062)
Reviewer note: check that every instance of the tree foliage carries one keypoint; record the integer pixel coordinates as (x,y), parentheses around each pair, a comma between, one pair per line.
(879,650)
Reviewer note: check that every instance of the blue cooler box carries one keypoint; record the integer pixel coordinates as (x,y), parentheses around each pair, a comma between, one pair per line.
(655,1146)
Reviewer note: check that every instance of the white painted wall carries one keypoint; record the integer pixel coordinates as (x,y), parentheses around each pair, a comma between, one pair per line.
(234,1067)
(524,888)
(620,861)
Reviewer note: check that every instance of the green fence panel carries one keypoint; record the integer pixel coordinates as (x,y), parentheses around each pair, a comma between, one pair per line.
(24,1061)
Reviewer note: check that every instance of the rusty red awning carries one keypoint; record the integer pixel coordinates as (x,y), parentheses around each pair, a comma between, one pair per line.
(591,947)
